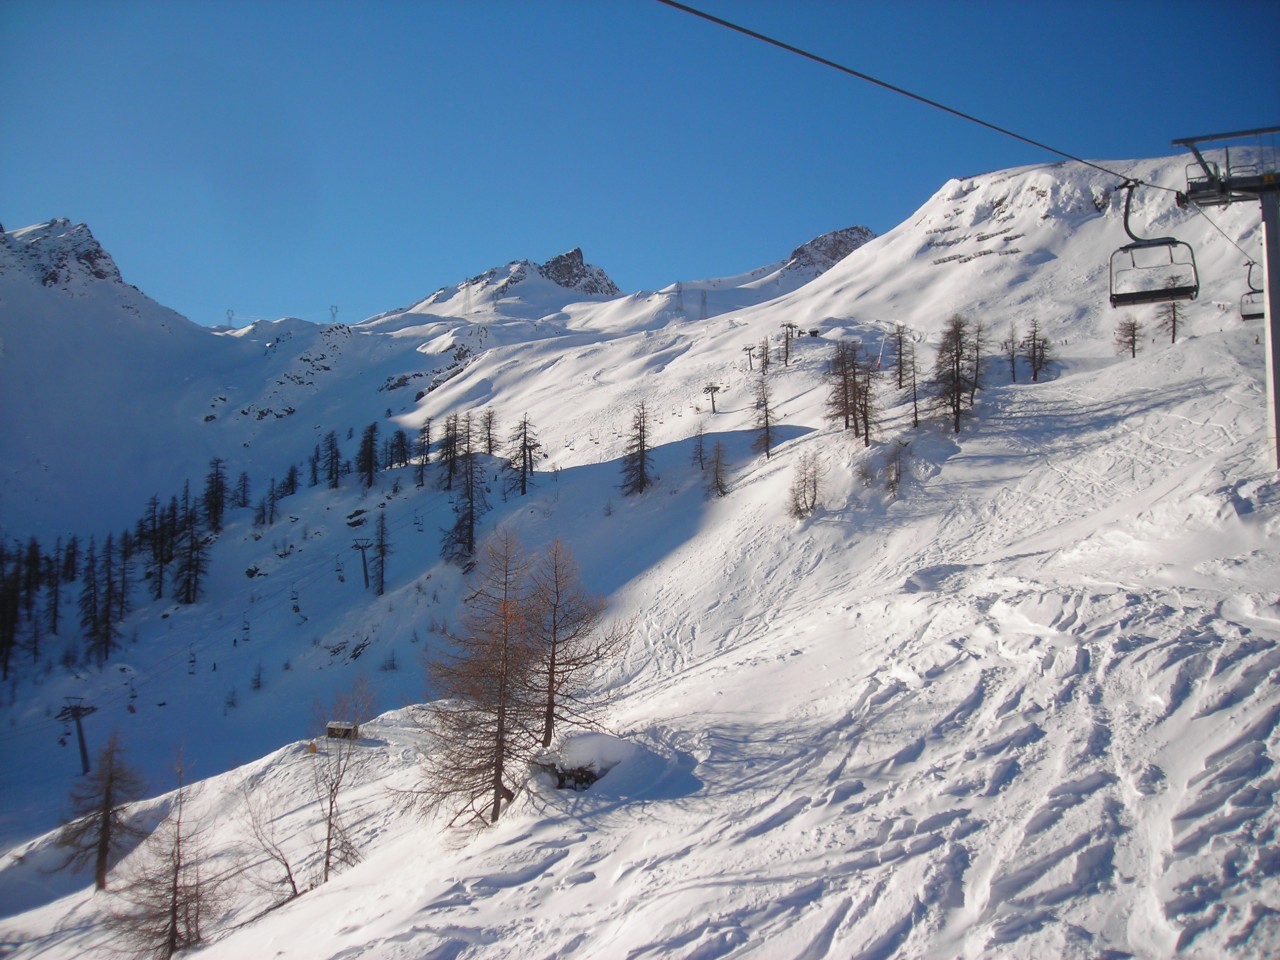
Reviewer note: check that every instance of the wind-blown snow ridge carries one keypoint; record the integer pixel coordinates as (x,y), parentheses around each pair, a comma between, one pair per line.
(1026,707)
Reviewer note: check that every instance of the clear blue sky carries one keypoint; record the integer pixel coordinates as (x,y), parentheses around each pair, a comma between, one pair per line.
(277,157)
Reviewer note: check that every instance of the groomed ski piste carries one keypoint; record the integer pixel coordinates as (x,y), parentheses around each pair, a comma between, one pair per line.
(1025,707)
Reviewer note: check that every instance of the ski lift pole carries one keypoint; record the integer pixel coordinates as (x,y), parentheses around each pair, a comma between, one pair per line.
(1213,187)
(1270,202)
(75,710)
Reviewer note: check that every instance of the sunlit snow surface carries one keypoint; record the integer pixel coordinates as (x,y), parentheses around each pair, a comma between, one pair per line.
(1028,708)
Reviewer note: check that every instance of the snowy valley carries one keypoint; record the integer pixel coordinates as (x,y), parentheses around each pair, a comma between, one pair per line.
(1024,702)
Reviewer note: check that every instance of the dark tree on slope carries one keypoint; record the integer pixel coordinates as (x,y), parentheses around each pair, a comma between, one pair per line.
(1036,350)
(289,485)
(449,450)
(718,474)
(569,646)
(398,450)
(1167,318)
(841,377)
(240,495)
(367,456)
(71,560)
(901,343)
(865,396)
(977,344)
(488,427)
(422,454)
(214,500)
(806,486)
(10,609)
(765,421)
(469,501)
(124,576)
(381,550)
(90,604)
(192,560)
(99,833)
(154,537)
(1009,348)
(522,450)
(331,460)
(32,576)
(1128,336)
(53,595)
(950,383)
(699,455)
(637,462)
(913,375)
(484,717)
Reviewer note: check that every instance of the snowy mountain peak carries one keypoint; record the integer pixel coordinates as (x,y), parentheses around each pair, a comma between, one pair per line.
(569,270)
(822,253)
(57,253)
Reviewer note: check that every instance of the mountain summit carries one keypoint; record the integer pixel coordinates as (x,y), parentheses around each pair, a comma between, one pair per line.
(568,270)
(822,253)
(59,254)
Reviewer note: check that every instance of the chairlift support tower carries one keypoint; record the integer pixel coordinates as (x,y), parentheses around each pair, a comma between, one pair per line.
(1208,185)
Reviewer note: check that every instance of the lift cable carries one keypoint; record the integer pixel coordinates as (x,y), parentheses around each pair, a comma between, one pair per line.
(1200,210)
(895,89)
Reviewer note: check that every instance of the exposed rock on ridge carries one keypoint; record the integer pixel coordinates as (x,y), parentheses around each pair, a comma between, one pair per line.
(822,253)
(569,270)
(57,253)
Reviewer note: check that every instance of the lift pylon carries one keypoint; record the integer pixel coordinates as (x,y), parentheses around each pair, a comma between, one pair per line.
(1253,177)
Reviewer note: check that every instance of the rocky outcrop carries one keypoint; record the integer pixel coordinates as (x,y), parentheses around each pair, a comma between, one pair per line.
(569,270)
(822,253)
(58,254)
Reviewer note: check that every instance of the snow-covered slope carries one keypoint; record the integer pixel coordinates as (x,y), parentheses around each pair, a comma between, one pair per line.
(1026,707)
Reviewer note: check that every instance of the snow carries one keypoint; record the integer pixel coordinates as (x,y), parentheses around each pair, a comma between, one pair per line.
(1027,708)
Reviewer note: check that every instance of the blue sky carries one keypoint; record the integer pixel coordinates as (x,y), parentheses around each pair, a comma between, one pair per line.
(276,158)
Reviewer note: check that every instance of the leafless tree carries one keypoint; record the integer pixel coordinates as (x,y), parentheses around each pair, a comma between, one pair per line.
(1128,336)
(806,485)
(900,346)
(569,643)
(895,468)
(523,447)
(170,891)
(484,721)
(764,417)
(1036,349)
(334,767)
(469,502)
(1010,349)
(717,477)
(950,372)
(637,461)
(1167,316)
(101,832)
(841,377)
(267,845)
(488,425)
(865,396)
(700,446)
(977,344)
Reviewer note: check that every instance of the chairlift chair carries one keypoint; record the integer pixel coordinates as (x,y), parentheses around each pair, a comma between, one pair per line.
(1151,270)
(1253,303)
